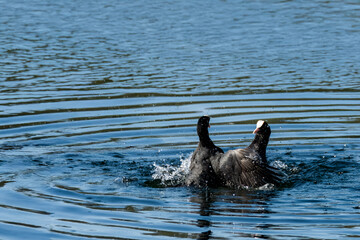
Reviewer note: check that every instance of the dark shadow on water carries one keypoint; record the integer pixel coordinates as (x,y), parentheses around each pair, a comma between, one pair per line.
(234,203)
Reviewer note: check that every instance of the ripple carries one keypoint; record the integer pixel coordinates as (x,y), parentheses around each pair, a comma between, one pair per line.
(98,117)
(152,118)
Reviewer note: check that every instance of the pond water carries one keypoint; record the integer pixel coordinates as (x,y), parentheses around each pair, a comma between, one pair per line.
(99,102)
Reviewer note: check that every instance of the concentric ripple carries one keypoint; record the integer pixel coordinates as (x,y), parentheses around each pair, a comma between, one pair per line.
(99,101)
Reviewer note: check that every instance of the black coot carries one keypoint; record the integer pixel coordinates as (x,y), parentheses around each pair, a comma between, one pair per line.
(247,167)
(201,171)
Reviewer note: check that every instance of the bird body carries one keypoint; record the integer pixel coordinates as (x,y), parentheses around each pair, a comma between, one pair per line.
(238,168)
(201,170)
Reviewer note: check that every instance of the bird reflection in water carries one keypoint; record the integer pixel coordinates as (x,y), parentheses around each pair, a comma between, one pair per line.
(234,203)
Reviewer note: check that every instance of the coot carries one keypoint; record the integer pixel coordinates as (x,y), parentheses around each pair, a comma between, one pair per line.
(247,167)
(201,171)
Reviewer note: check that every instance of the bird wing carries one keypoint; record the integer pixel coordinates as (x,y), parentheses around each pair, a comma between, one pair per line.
(201,170)
(243,167)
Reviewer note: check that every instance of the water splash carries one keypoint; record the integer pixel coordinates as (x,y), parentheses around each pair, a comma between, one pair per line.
(267,187)
(172,175)
(279,165)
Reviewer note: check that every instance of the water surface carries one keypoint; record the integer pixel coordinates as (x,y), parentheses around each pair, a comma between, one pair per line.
(99,102)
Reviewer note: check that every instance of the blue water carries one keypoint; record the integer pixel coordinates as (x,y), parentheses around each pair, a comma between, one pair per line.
(99,102)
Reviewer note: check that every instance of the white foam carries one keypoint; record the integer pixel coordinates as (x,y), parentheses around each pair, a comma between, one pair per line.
(172,175)
(267,187)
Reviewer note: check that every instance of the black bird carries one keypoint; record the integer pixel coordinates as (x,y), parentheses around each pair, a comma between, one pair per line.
(201,171)
(247,167)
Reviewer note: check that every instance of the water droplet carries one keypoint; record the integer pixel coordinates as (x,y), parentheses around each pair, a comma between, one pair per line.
(172,175)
